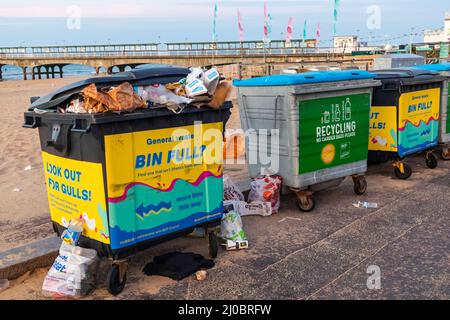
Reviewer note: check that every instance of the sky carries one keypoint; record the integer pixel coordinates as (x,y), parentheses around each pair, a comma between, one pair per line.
(63,22)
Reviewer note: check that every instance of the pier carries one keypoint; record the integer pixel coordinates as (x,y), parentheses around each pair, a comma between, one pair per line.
(49,62)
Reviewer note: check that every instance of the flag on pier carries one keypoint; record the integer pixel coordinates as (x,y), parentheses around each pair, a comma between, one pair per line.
(290,30)
(337,4)
(318,34)
(267,24)
(216,9)
(305,28)
(240,27)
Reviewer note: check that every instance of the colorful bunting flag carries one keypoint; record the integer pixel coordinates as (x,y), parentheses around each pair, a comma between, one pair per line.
(290,30)
(216,9)
(240,27)
(337,4)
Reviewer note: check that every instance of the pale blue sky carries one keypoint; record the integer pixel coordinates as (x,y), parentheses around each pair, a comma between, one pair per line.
(44,22)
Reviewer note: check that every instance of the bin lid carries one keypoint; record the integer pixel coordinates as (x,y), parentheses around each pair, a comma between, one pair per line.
(404,73)
(142,76)
(441,67)
(304,78)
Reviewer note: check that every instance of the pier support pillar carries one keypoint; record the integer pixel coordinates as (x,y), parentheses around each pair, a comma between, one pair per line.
(61,71)
(97,70)
(47,71)
(24,72)
(1,72)
(33,73)
(39,73)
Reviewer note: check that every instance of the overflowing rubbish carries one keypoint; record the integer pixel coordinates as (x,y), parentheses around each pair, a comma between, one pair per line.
(177,265)
(200,88)
(366,205)
(73,273)
(266,189)
(4,284)
(231,191)
(74,230)
(232,232)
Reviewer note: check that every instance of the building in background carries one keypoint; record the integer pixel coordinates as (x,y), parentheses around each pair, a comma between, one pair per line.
(439,35)
(345,44)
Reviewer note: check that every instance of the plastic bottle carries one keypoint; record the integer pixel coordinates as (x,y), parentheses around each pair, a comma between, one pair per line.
(366,205)
(74,231)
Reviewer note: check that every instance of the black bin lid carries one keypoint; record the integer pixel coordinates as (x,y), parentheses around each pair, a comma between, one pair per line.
(408,76)
(141,76)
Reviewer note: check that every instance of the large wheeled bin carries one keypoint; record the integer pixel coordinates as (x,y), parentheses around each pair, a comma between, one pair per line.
(405,118)
(136,179)
(318,123)
(444,130)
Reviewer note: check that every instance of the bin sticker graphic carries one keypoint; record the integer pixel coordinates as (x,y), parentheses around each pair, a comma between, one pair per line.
(76,190)
(418,121)
(333,131)
(383,129)
(163,181)
(448,110)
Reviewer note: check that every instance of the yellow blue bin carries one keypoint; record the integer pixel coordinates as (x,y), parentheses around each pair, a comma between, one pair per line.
(405,117)
(136,179)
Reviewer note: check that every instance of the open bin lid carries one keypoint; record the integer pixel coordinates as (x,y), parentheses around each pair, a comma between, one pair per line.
(141,76)
(304,78)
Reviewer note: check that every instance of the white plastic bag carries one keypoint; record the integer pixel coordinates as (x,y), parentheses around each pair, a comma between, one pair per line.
(232,228)
(231,191)
(72,273)
(159,94)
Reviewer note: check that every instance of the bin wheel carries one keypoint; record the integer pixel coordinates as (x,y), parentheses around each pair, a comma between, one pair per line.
(445,154)
(406,174)
(306,206)
(115,284)
(431,161)
(213,245)
(360,186)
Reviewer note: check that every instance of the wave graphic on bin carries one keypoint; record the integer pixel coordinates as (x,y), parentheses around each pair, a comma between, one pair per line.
(123,197)
(144,211)
(427,123)
(425,137)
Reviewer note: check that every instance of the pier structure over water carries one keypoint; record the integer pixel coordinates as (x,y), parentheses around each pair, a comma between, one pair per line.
(49,62)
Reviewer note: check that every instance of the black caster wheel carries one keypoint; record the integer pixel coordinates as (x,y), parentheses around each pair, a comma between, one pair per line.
(309,206)
(431,161)
(406,174)
(213,245)
(115,284)
(360,186)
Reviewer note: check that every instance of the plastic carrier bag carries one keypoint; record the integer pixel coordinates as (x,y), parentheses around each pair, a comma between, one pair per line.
(231,191)
(266,189)
(232,228)
(72,274)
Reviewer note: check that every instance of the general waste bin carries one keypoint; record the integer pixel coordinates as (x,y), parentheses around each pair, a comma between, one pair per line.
(405,117)
(137,179)
(321,122)
(444,130)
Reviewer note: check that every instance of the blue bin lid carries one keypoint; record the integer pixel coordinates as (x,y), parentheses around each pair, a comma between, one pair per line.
(442,67)
(304,78)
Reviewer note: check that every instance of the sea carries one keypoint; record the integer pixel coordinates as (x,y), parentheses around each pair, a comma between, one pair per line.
(15,73)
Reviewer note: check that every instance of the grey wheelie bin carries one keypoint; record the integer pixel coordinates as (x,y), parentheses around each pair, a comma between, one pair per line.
(314,125)
(444,130)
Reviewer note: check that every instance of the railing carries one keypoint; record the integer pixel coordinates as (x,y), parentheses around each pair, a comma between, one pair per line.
(176,53)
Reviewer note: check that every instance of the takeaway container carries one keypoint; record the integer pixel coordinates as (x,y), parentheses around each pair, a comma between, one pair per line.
(125,174)
(315,126)
(404,118)
(444,130)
